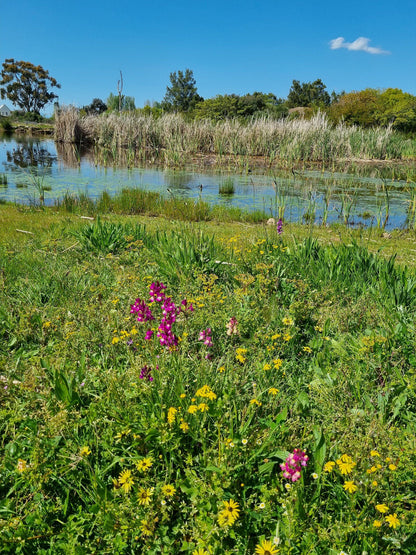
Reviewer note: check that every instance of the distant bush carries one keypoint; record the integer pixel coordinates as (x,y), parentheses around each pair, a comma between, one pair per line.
(5,124)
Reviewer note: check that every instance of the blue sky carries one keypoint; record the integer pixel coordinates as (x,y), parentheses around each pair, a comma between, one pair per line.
(231,46)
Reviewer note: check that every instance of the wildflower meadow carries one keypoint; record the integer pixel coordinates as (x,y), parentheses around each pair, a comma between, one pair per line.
(204,388)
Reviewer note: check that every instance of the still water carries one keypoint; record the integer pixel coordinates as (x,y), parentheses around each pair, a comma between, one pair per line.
(26,165)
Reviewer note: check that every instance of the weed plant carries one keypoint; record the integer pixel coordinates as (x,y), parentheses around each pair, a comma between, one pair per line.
(168,390)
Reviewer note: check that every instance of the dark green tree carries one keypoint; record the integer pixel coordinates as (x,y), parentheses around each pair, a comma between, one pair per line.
(182,94)
(96,107)
(308,95)
(234,106)
(26,85)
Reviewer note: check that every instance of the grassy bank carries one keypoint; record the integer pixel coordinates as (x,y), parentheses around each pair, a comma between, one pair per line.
(172,140)
(126,434)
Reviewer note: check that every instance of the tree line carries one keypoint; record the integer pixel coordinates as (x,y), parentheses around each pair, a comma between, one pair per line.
(29,88)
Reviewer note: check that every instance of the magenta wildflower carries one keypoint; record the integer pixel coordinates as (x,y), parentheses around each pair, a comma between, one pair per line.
(156,292)
(145,373)
(292,467)
(279,226)
(186,307)
(169,310)
(144,314)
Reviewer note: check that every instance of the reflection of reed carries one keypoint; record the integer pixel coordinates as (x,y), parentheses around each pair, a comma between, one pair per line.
(67,153)
(71,154)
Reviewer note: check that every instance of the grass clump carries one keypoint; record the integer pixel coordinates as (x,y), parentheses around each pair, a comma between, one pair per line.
(227,187)
(202,388)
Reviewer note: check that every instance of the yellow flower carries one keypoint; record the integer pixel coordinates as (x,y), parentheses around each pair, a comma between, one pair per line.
(22,465)
(171,415)
(184,426)
(266,548)
(287,337)
(239,354)
(277,363)
(382,508)
(46,325)
(206,392)
(350,486)
(287,322)
(122,434)
(371,470)
(374,483)
(374,453)
(345,464)
(273,391)
(145,528)
(393,521)
(255,402)
(229,514)
(200,551)
(115,340)
(267,367)
(392,466)
(377,523)
(168,490)
(125,480)
(144,464)
(182,395)
(329,466)
(221,369)
(193,409)
(144,496)
(84,451)
(307,349)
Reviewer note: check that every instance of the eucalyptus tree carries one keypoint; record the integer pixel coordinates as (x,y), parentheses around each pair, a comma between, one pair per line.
(26,85)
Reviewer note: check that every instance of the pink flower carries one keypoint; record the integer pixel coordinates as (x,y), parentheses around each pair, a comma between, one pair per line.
(205,336)
(232,327)
(292,467)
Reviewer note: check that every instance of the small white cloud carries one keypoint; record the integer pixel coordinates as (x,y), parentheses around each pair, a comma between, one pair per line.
(361,43)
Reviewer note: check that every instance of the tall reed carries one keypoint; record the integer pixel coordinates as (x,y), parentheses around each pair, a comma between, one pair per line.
(172,138)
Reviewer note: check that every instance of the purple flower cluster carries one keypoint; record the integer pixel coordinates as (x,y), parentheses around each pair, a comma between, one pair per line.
(169,310)
(169,314)
(156,292)
(144,314)
(145,373)
(205,336)
(279,226)
(292,467)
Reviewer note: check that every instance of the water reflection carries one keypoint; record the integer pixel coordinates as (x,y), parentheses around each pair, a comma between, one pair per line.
(178,180)
(359,194)
(25,155)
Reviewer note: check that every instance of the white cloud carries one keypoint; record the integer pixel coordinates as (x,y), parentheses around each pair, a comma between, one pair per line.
(361,43)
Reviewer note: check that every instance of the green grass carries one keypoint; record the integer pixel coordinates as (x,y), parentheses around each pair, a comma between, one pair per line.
(97,458)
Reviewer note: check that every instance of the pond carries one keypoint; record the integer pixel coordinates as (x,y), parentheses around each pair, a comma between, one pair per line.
(380,197)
